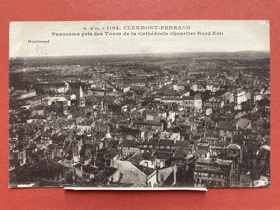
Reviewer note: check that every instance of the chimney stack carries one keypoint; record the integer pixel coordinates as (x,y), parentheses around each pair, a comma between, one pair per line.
(175,172)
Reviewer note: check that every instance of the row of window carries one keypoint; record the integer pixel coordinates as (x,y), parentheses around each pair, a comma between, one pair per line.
(150,146)
(219,176)
(131,148)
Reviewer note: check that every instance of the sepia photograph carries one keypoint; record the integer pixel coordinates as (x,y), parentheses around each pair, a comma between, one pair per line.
(142,105)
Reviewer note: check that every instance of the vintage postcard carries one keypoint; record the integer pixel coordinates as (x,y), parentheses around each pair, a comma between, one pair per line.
(139,104)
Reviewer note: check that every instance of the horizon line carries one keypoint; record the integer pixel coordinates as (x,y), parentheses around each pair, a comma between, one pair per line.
(131,54)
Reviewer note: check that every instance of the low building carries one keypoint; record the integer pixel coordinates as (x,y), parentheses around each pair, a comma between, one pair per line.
(213,172)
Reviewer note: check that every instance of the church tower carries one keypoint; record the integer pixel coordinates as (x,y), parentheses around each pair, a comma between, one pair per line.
(81,98)
(240,77)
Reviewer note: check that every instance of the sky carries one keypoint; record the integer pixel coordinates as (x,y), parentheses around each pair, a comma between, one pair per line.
(237,36)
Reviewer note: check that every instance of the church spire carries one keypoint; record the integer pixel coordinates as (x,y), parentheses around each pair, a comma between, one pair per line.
(81,99)
(81,92)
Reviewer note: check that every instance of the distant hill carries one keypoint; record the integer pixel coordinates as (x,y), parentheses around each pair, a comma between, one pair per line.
(88,60)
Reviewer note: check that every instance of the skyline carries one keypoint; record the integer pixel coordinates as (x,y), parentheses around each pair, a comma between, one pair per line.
(146,54)
(237,36)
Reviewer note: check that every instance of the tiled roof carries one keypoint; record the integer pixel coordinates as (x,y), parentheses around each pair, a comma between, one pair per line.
(164,142)
(130,143)
(145,170)
(162,155)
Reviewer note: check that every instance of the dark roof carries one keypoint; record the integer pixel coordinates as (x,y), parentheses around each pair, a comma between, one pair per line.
(113,143)
(86,168)
(237,138)
(148,156)
(104,174)
(28,171)
(52,146)
(263,132)
(136,159)
(145,170)
(39,97)
(111,154)
(130,143)
(184,144)
(164,142)
(150,122)
(181,153)
(152,141)
(162,155)
(201,152)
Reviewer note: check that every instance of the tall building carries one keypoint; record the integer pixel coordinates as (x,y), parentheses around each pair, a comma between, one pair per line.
(240,78)
(81,98)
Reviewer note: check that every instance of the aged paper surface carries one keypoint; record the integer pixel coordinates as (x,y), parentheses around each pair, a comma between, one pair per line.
(139,104)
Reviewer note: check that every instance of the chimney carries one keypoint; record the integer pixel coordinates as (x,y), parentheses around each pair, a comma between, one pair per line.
(175,172)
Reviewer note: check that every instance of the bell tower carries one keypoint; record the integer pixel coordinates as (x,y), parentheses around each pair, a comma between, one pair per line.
(81,98)
(240,77)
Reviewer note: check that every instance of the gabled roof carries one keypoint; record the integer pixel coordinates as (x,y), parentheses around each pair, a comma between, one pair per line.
(201,152)
(148,156)
(104,174)
(136,158)
(183,144)
(147,171)
(152,141)
(130,143)
(162,155)
(113,143)
(163,142)
(181,153)
(243,123)
(110,155)
(150,122)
